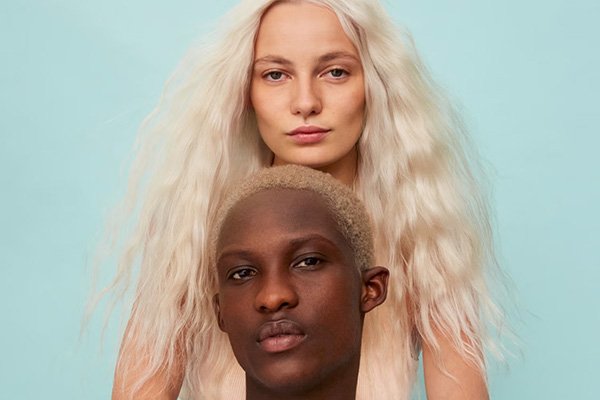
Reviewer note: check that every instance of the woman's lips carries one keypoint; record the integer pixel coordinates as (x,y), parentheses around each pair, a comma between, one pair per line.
(308,134)
(279,336)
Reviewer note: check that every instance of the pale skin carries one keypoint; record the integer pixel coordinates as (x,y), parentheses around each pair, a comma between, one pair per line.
(321,85)
(468,383)
(160,386)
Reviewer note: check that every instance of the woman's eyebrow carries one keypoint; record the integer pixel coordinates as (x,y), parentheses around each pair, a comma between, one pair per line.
(273,59)
(337,54)
(322,59)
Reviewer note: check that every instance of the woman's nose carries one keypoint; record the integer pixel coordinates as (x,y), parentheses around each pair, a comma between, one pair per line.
(306,100)
(276,292)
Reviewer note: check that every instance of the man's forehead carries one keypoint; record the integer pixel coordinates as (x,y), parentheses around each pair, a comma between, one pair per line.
(276,201)
(288,208)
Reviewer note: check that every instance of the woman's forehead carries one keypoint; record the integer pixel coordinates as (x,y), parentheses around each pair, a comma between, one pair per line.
(301,27)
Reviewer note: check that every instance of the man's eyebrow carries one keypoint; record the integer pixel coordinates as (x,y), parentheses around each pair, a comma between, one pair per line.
(295,242)
(310,238)
(322,59)
(234,252)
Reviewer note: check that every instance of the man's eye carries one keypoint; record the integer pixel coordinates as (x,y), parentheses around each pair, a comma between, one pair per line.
(308,262)
(242,274)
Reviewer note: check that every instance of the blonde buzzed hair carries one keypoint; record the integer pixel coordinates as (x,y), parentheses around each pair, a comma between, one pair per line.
(347,210)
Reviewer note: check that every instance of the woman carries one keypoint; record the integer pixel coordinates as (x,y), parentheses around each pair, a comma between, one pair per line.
(327,84)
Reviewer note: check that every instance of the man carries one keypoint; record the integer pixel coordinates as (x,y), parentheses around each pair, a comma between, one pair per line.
(293,253)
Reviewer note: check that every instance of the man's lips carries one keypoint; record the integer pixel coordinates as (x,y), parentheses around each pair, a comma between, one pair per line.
(279,336)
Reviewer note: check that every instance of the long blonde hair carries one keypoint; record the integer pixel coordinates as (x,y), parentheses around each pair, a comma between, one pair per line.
(431,222)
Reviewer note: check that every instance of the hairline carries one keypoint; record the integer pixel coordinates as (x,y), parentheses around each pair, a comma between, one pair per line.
(327,202)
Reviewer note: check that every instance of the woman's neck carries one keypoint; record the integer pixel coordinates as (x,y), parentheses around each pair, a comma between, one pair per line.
(344,169)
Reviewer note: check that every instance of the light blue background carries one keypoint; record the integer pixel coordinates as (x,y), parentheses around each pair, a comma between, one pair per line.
(77,77)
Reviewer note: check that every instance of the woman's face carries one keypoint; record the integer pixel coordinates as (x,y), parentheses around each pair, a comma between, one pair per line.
(307,88)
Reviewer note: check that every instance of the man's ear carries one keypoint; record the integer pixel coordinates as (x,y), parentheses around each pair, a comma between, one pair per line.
(217,309)
(374,288)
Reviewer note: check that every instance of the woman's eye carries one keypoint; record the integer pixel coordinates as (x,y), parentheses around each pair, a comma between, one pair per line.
(308,262)
(242,274)
(274,76)
(337,73)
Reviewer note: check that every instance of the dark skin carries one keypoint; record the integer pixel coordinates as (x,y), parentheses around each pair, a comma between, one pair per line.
(291,297)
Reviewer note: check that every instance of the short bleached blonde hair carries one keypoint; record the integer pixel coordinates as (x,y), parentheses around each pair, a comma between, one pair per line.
(345,208)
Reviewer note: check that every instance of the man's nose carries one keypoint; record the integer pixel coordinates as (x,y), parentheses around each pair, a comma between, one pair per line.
(276,292)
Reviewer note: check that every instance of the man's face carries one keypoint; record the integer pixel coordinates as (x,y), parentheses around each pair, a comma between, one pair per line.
(289,291)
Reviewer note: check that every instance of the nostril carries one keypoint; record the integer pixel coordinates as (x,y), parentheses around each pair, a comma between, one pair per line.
(275,292)
(274,306)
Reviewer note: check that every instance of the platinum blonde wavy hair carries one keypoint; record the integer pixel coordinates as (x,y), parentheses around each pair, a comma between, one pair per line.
(414,177)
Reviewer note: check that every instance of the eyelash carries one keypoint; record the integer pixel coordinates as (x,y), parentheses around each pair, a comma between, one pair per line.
(250,272)
(311,266)
(343,71)
(233,274)
(268,75)
(269,78)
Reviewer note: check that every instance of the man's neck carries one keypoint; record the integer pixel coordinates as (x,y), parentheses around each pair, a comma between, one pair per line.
(340,386)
